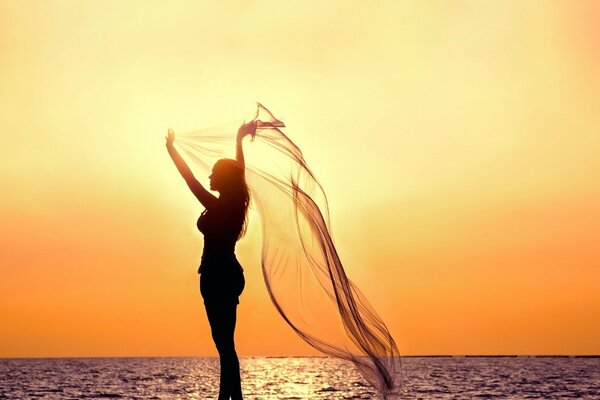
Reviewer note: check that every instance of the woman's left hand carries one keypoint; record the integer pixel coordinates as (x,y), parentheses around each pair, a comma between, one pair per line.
(246,129)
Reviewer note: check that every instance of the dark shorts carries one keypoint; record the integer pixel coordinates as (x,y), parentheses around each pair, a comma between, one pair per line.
(222,284)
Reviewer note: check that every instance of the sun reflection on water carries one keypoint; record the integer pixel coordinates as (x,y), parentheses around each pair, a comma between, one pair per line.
(296,378)
(302,378)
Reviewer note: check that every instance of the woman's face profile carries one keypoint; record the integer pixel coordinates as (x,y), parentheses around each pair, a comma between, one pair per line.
(216,178)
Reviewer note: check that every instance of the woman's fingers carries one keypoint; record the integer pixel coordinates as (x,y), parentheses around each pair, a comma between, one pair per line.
(170,136)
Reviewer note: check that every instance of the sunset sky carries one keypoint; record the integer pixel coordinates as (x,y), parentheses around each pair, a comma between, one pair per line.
(458,142)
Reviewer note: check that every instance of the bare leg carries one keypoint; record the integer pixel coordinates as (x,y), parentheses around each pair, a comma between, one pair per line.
(222,318)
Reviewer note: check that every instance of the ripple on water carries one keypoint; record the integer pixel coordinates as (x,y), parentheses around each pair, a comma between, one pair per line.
(298,378)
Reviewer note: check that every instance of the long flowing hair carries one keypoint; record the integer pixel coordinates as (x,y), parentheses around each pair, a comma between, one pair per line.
(235,191)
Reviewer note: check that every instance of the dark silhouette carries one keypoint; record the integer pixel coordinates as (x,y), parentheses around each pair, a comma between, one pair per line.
(222,223)
(302,270)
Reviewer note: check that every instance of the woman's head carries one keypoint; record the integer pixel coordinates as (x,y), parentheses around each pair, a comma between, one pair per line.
(228,178)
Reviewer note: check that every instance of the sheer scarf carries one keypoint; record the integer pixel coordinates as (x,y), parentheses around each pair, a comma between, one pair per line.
(301,267)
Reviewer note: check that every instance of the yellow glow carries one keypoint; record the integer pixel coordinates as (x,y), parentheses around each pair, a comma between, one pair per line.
(458,143)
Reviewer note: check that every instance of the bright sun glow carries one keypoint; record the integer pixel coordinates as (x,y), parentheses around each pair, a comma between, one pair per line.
(457,141)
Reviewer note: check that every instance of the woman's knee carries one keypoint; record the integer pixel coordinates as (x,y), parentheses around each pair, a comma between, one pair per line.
(226,348)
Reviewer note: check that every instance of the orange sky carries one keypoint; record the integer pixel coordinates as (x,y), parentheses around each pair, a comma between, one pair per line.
(458,143)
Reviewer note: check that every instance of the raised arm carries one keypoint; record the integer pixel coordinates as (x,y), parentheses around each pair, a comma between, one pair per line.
(207,199)
(245,129)
(239,152)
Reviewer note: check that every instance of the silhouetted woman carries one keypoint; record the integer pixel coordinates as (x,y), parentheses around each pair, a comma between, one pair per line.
(222,223)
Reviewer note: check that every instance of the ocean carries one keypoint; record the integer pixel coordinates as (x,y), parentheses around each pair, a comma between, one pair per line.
(298,378)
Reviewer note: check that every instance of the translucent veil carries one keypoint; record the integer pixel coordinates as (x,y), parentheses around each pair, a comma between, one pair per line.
(302,270)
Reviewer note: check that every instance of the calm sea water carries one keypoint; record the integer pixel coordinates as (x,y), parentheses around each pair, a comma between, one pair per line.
(299,378)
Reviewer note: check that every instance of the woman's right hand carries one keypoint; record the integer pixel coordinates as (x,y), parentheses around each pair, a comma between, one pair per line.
(170,137)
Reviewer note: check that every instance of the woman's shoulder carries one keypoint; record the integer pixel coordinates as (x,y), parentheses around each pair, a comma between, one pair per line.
(228,206)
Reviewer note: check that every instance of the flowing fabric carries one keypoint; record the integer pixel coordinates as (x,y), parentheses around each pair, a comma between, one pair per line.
(302,270)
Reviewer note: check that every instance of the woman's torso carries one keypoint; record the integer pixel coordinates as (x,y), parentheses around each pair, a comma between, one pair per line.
(221,227)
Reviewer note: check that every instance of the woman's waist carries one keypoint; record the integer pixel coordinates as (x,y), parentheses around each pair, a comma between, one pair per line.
(220,269)
(219,255)
(218,247)
(219,262)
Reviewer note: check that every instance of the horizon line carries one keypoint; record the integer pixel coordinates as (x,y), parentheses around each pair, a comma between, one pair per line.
(325,356)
